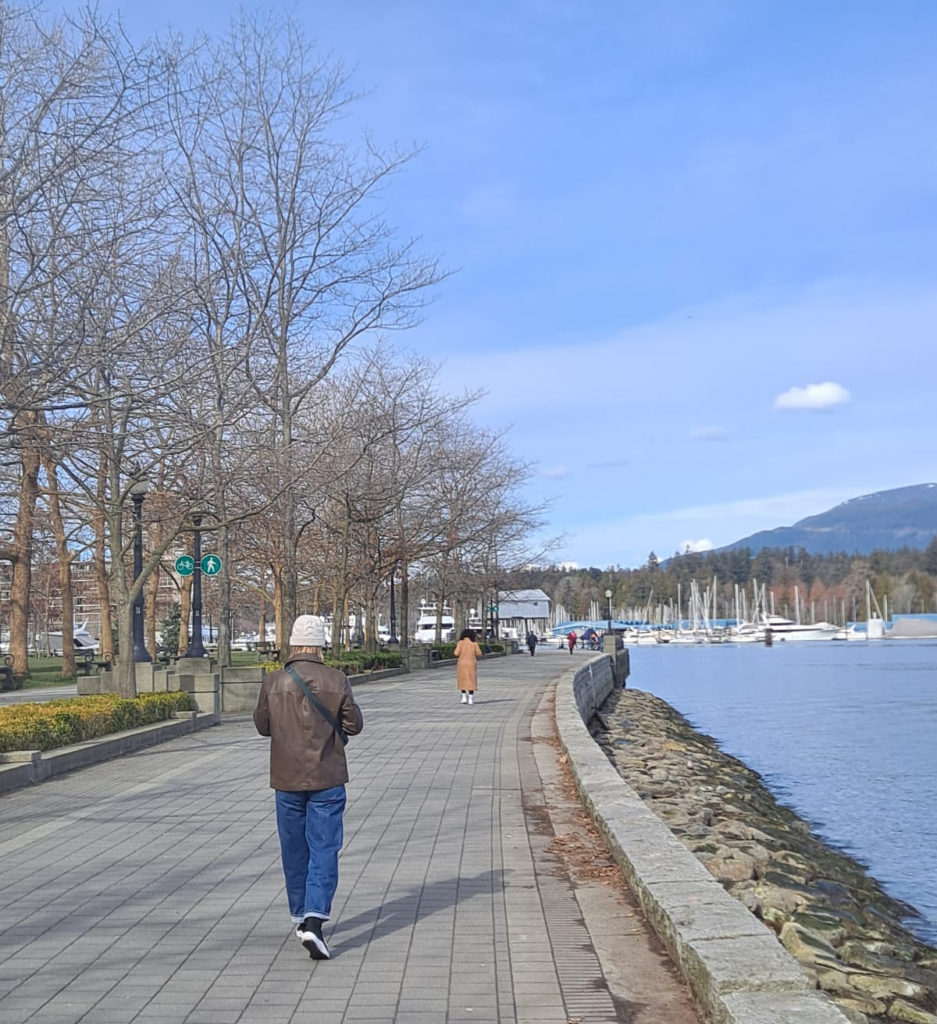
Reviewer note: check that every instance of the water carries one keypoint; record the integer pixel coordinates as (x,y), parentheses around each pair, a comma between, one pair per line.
(844,733)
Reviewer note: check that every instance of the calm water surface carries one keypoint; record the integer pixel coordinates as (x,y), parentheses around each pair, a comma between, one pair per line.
(845,733)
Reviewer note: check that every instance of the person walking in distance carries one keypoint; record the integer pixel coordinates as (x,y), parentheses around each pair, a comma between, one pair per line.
(571,639)
(532,642)
(308,711)
(468,652)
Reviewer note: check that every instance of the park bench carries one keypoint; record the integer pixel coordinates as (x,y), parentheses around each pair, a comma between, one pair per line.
(7,679)
(86,661)
(267,651)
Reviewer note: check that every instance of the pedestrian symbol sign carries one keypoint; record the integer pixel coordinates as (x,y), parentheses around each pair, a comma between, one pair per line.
(185,565)
(211,565)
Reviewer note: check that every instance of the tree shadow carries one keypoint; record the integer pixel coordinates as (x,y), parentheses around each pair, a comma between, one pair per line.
(408,909)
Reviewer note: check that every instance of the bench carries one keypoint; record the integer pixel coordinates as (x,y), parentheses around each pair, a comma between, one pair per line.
(86,661)
(8,681)
(267,651)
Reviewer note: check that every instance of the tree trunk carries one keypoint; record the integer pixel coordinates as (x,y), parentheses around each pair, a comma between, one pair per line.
(224,601)
(403,614)
(100,565)
(152,594)
(185,613)
(125,667)
(65,570)
(149,612)
(282,635)
(23,546)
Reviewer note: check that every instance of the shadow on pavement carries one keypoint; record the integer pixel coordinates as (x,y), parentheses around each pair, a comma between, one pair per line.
(407,910)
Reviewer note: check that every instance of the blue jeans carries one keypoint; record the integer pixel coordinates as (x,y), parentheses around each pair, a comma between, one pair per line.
(310,826)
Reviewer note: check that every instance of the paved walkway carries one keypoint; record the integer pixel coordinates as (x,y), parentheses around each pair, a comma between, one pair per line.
(149,888)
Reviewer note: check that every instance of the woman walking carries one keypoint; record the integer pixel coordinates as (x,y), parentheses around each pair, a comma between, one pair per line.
(468,652)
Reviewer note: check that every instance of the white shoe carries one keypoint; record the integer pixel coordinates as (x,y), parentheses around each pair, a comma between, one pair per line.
(465,699)
(470,699)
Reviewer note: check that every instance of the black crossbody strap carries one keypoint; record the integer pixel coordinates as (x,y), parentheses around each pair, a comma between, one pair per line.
(318,705)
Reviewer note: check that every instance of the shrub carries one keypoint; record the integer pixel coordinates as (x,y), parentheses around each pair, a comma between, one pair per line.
(57,723)
(355,662)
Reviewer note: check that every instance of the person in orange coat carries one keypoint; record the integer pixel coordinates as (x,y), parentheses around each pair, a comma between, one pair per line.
(468,652)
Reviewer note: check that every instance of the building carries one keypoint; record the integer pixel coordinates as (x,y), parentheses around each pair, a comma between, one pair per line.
(520,611)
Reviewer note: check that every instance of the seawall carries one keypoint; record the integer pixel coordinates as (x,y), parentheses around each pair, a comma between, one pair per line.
(735,966)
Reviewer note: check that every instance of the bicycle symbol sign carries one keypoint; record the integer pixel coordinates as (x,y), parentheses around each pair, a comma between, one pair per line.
(185,565)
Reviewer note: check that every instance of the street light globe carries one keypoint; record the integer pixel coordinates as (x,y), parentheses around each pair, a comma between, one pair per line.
(608,595)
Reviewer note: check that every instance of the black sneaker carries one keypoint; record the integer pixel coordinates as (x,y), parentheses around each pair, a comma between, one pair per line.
(310,935)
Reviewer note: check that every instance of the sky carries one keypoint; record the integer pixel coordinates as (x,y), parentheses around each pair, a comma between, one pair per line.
(693,243)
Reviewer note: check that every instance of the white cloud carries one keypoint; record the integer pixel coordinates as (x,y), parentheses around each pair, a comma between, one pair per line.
(813,396)
(709,434)
(555,472)
(703,544)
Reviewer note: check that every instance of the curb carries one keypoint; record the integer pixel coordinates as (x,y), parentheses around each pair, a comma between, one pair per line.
(734,965)
(25,767)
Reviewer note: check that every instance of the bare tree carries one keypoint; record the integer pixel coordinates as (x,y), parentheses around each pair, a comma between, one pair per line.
(69,108)
(322,268)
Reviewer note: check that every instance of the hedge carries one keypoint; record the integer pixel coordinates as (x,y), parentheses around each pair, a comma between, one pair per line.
(354,662)
(57,723)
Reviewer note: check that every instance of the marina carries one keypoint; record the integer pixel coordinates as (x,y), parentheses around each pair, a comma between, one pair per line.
(757,622)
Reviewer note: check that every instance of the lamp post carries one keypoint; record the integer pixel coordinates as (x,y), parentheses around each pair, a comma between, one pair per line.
(195,648)
(608,604)
(137,493)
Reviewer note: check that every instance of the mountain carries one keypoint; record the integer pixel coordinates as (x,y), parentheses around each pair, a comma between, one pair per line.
(904,517)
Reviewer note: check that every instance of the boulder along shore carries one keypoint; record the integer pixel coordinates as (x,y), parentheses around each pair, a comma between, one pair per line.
(830,914)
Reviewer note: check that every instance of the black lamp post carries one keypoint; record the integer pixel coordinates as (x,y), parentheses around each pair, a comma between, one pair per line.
(137,493)
(393,609)
(608,603)
(196,648)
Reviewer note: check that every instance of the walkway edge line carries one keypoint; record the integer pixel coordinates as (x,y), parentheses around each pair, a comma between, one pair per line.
(36,766)
(737,970)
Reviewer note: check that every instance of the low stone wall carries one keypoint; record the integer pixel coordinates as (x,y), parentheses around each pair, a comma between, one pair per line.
(734,965)
(240,687)
(23,767)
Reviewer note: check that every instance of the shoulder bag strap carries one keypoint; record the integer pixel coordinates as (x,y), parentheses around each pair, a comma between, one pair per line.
(318,705)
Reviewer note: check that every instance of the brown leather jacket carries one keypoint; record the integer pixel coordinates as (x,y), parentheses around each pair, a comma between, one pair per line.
(305,752)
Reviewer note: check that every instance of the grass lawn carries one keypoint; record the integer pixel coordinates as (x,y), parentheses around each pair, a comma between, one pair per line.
(48,671)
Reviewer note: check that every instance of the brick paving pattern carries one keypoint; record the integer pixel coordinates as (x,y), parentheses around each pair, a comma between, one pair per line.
(149,889)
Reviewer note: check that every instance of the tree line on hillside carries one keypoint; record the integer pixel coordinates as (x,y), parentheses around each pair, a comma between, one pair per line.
(195,273)
(832,586)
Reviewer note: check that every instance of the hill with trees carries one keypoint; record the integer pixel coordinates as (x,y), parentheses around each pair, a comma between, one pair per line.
(829,586)
(886,520)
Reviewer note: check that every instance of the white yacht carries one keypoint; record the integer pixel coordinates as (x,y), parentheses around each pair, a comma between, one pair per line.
(426,625)
(83,641)
(787,629)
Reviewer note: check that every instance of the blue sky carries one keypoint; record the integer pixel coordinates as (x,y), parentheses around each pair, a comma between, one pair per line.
(695,243)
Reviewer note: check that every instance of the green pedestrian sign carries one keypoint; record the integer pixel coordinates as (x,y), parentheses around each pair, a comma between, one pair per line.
(185,565)
(211,565)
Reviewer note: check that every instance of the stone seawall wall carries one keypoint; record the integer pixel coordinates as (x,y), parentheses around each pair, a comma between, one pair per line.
(734,965)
